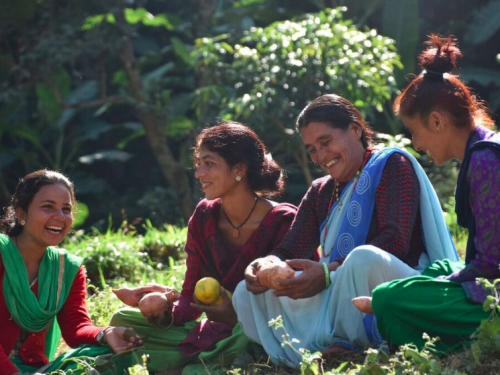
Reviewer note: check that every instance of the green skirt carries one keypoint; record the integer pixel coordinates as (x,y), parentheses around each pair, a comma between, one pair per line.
(162,346)
(73,361)
(407,308)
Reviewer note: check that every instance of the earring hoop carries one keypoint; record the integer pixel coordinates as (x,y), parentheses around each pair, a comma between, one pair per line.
(238,178)
(22,222)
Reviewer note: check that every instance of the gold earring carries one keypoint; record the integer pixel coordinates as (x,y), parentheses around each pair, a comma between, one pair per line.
(22,222)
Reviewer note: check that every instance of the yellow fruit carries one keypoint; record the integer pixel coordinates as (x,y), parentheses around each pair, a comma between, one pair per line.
(220,300)
(207,290)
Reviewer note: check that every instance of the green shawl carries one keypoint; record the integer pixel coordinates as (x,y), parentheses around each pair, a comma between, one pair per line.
(55,278)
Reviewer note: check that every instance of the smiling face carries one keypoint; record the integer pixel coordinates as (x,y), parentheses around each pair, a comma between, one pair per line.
(49,216)
(217,178)
(339,152)
(427,135)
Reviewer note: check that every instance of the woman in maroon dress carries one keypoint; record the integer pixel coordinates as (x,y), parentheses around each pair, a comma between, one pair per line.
(235,224)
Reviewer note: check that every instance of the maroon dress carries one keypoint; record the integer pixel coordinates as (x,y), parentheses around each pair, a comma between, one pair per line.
(210,255)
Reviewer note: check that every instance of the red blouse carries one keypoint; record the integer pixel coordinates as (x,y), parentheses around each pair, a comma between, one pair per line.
(73,319)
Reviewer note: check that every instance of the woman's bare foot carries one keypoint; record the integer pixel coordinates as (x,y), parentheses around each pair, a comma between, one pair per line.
(363,304)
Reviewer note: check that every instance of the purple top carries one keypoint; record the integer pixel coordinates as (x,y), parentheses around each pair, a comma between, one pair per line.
(483,178)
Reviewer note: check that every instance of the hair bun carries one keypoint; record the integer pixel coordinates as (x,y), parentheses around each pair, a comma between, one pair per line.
(441,54)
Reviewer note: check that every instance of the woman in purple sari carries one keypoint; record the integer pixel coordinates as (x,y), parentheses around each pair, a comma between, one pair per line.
(447,122)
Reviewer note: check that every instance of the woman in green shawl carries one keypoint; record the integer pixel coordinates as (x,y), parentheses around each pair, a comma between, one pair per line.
(39,282)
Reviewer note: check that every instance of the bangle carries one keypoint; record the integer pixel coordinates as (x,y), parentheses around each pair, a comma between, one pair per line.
(167,327)
(327,275)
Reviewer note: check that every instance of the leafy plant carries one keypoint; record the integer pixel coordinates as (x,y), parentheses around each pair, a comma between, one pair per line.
(265,78)
(487,337)
(115,257)
(311,363)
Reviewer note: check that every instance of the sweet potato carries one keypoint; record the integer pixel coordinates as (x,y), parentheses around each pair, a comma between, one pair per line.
(157,306)
(270,272)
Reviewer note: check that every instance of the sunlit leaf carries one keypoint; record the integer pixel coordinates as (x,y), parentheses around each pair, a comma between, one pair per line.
(81,215)
(181,50)
(106,155)
(141,15)
(93,21)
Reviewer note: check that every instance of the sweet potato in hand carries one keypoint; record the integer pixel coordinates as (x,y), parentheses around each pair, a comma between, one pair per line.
(157,306)
(270,273)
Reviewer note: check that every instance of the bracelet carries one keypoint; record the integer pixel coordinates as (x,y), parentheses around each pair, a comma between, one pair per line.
(167,327)
(100,336)
(327,275)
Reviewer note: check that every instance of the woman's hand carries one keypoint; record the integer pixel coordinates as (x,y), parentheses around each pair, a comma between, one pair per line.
(132,296)
(309,283)
(252,282)
(121,338)
(223,313)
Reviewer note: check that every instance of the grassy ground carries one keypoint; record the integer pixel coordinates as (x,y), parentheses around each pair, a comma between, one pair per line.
(126,258)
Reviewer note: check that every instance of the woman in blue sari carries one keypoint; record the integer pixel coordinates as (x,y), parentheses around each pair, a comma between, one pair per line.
(375,216)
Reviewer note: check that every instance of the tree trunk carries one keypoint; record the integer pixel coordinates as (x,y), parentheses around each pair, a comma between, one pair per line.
(173,171)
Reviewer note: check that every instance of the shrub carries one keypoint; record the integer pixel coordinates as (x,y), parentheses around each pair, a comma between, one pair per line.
(115,257)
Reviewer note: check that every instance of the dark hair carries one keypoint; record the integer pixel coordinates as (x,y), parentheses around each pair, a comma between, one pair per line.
(336,111)
(237,143)
(26,190)
(436,89)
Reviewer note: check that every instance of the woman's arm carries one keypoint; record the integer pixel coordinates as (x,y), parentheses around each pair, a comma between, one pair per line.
(396,207)
(302,239)
(77,328)
(74,320)
(484,181)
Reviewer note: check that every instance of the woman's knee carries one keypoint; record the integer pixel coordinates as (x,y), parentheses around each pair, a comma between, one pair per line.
(121,318)
(365,257)
(240,296)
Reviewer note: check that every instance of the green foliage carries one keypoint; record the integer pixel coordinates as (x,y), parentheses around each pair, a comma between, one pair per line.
(121,256)
(273,72)
(265,78)
(140,369)
(485,23)
(81,214)
(487,336)
(311,363)
(401,22)
(459,234)
(407,360)
(165,243)
(101,305)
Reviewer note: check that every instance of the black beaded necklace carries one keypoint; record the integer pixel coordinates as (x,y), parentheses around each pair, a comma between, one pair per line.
(236,231)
